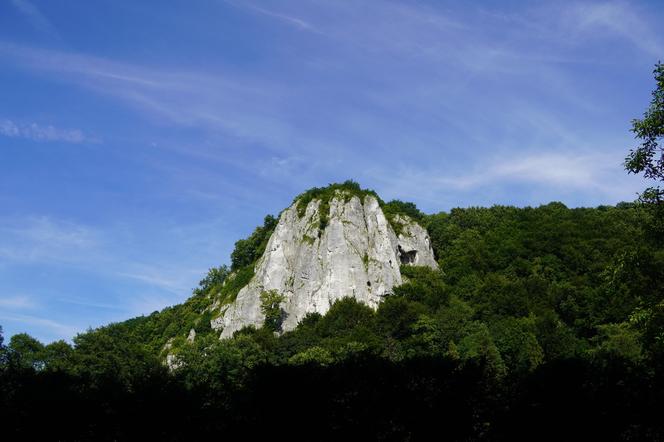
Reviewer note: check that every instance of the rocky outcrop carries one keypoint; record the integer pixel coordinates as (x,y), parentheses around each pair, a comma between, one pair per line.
(356,253)
(413,243)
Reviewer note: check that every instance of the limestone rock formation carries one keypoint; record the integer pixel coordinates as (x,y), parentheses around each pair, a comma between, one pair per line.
(312,263)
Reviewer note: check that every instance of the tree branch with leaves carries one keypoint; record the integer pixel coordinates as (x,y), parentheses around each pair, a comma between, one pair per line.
(648,158)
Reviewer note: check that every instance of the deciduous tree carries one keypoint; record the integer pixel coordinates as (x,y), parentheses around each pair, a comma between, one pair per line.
(648,157)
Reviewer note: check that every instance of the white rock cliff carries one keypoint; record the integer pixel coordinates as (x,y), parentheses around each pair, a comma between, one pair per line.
(357,254)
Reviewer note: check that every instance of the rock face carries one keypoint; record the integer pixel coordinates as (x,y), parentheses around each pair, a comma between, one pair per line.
(356,254)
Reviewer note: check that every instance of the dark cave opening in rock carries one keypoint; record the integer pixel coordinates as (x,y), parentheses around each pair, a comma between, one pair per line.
(408,257)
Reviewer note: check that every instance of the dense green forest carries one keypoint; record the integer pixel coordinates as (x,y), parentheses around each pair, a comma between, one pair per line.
(542,322)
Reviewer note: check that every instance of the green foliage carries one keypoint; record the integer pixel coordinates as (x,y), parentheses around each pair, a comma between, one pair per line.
(518,288)
(235,283)
(25,351)
(309,240)
(436,332)
(155,330)
(514,262)
(346,320)
(347,330)
(220,285)
(396,317)
(649,321)
(556,338)
(114,353)
(648,158)
(423,285)
(313,355)
(395,208)
(57,355)
(271,307)
(213,281)
(248,250)
(517,342)
(347,190)
(520,292)
(620,340)
(220,365)
(3,350)
(478,344)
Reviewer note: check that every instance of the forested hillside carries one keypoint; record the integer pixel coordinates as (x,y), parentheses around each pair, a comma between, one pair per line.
(542,322)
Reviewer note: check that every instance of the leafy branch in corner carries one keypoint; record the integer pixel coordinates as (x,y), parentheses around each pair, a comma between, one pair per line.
(648,158)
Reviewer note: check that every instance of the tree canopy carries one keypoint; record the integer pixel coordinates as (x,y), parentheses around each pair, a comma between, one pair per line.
(537,316)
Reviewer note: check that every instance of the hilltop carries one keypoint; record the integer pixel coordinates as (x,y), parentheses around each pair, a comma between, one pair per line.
(487,323)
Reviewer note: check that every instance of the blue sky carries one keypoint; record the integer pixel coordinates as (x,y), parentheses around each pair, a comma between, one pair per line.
(140,140)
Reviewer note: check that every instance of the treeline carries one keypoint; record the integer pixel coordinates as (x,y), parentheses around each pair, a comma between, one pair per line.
(543,323)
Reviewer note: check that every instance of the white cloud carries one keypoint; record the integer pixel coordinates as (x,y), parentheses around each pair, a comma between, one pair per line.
(36,132)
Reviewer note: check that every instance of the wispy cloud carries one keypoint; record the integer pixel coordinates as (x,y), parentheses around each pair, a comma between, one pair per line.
(43,239)
(285,18)
(379,93)
(439,54)
(92,304)
(57,242)
(572,170)
(616,18)
(35,17)
(241,107)
(172,280)
(36,132)
(146,303)
(57,329)
(20,302)
(545,174)
(136,278)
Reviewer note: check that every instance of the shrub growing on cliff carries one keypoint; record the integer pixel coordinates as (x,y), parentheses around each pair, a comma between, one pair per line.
(248,250)
(271,307)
